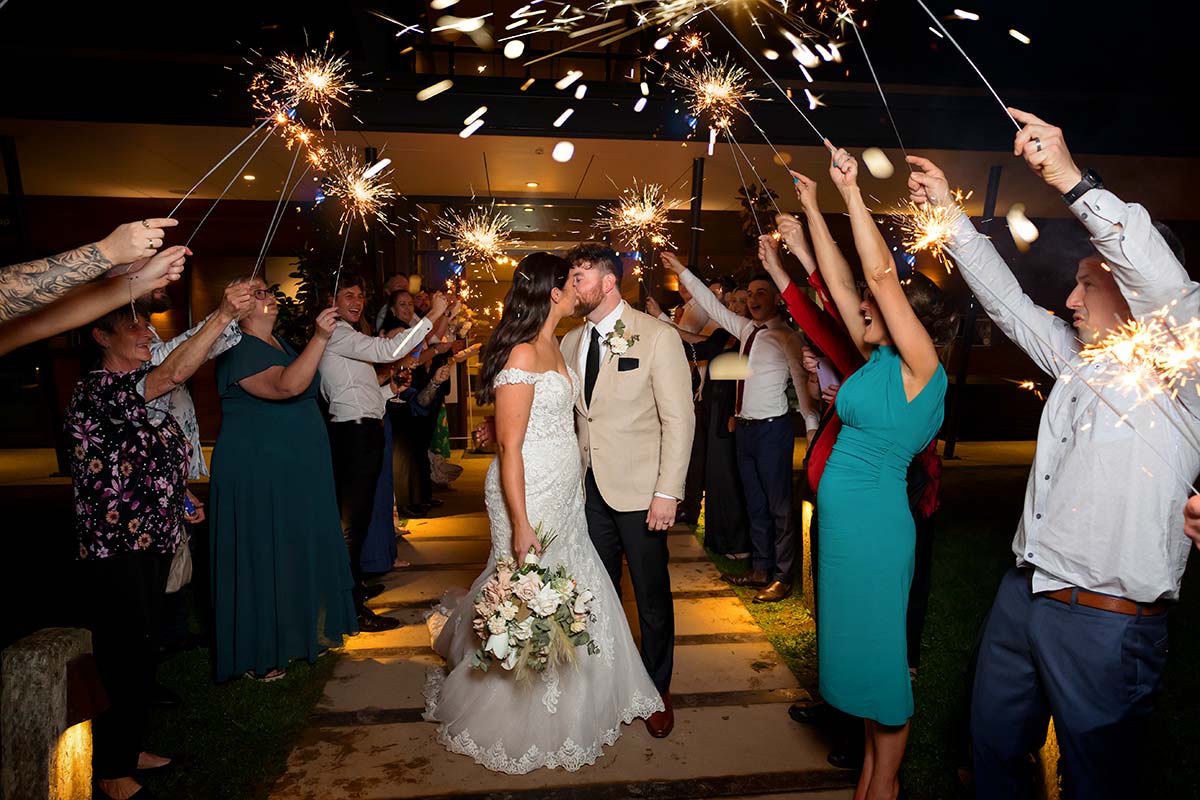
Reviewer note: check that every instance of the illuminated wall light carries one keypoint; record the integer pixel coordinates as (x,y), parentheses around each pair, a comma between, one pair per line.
(531,184)
(563,152)
(645,89)
(529,208)
(969,15)
(481,68)
(571,76)
(825,54)
(835,51)
(434,90)
(247,177)
(661,43)
(563,117)
(1020,37)
(514,49)
(527,84)
(937,32)
(770,55)
(376,168)
(580,91)
(438,5)
(640,104)
(466,132)
(476,114)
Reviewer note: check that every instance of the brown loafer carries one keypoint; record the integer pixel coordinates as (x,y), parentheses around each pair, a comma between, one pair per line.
(755,579)
(774,593)
(660,723)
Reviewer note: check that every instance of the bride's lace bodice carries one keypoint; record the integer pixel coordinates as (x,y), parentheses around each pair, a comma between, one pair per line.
(552,417)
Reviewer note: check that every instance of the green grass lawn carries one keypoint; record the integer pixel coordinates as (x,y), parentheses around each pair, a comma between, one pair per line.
(971,552)
(233,739)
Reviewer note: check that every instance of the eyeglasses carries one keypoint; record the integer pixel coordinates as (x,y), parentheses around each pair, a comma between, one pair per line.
(262,294)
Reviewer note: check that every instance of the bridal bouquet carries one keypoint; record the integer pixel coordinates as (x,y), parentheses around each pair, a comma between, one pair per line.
(530,617)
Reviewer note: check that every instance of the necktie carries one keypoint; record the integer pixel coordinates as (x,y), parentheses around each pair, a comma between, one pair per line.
(592,367)
(741,385)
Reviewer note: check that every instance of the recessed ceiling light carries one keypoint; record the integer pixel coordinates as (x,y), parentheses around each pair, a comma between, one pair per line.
(529,208)
(247,177)
(532,184)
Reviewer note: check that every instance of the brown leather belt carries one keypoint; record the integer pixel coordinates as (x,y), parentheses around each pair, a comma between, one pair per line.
(1103,602)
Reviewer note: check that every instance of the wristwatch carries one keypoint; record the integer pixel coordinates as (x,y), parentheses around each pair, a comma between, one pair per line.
(1088,180)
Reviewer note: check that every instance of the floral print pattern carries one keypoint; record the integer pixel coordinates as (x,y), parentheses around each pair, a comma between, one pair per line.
(129,472)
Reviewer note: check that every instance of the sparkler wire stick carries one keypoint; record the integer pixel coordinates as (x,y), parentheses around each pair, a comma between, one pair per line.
(750,164)
(1121,418)
(775,83)
(262,253)
(938,22)
(337,276)
(278,219)
(746,189)
(879,86)
(216,166)
(229,185)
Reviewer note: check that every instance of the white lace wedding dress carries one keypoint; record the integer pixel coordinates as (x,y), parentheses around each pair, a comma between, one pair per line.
(565,716)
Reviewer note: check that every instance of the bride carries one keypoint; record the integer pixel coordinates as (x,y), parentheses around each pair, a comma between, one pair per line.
(564,716)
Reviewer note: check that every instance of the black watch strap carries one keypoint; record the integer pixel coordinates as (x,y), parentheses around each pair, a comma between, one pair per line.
(1089,180)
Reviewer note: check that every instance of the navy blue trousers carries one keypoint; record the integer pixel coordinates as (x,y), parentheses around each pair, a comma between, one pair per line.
(764,459)
(1097,672)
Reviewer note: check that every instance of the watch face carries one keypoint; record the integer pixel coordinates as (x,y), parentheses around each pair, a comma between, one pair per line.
(1091,177)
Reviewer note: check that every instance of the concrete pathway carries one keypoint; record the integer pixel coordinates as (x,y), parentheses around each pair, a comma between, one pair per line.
(731,690)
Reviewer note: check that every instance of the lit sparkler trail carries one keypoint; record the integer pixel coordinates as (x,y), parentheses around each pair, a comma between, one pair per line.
(641,215)
(480,235)
(240,171)
(317,78)
(929,227)
(361,196)
(938,22)
(716,90)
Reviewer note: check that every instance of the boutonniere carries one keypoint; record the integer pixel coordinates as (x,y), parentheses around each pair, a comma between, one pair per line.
(618,343)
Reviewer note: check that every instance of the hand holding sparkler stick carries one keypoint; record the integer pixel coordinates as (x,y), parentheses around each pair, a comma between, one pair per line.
(325,323)
(806,192)
(843,168)
(792,233)
(135,240)
(653,308)
(672,262)
(1045,151)
(929,185)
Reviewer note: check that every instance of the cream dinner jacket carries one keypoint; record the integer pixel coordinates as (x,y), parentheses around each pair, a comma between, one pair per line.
(637,431)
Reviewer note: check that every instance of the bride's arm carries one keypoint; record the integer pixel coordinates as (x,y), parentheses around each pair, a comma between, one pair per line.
(513,404)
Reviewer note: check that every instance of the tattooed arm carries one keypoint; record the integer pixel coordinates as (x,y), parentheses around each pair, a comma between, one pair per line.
(85,303)
(29,286)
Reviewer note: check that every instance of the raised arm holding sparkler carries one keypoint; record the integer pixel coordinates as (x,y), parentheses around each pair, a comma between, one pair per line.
(29,286)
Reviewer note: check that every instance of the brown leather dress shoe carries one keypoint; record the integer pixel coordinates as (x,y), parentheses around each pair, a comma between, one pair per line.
(773,593)
(660,723)
(755,579)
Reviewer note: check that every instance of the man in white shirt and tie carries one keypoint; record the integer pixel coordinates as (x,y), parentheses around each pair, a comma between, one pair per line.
(1078,629)
(763,427)
(357,403)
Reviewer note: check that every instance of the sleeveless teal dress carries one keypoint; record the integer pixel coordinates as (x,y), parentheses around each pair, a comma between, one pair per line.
(868,539)
(280,572)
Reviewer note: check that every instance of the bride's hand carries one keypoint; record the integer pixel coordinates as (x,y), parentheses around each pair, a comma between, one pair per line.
(525,539)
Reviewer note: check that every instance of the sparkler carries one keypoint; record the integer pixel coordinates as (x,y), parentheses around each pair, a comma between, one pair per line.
(362,195)
(479,235)
(317,78)
(929,227)
(716,90)
(641,215)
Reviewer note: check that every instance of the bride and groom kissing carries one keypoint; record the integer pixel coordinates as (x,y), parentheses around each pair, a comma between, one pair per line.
(593,438)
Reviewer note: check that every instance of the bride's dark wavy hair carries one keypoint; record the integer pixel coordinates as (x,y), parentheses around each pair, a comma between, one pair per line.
(526,307)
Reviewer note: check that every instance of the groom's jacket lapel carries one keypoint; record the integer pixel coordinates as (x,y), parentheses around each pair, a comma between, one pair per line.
(608,361)
(580,343)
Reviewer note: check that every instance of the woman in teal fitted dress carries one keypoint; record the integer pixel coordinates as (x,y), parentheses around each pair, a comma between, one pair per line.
(891,409)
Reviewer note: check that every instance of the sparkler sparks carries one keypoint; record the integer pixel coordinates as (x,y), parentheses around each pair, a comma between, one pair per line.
(1151,358)
(717,89)
(481,234)
(317,77)
(928,227)
(362,195)
(641,216)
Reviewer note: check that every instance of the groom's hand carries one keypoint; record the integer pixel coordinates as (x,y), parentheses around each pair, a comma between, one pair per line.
(661,515)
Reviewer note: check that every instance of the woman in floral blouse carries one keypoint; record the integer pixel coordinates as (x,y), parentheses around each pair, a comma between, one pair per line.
(129,467)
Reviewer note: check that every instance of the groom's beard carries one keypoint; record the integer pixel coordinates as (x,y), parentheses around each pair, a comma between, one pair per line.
(586,305)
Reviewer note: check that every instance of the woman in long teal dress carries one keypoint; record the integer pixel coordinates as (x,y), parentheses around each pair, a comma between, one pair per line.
(280,570)
(891,409)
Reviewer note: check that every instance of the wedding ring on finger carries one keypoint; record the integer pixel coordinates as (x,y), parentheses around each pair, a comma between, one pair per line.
(1038,144)
(145,224)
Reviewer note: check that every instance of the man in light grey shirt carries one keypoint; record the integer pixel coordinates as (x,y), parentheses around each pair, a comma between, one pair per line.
(1079,626)
(357,402)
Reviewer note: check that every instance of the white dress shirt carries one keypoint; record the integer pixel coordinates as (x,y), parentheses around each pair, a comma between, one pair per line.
(691,317)
(775,356)
(348,379)
(1102,510)
(178,402)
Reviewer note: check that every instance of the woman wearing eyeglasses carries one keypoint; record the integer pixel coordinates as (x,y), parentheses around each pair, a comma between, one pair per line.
(281,580)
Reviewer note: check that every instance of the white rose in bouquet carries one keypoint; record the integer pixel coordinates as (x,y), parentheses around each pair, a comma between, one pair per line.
(508,611)
(497,645)
(497,625)
(578,626)
(546,602)
(524,629)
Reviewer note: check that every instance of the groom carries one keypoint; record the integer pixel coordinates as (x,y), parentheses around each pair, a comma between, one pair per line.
(635,423)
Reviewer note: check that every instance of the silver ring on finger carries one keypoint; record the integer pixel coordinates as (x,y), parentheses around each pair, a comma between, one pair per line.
(1038,143)
(145,224)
